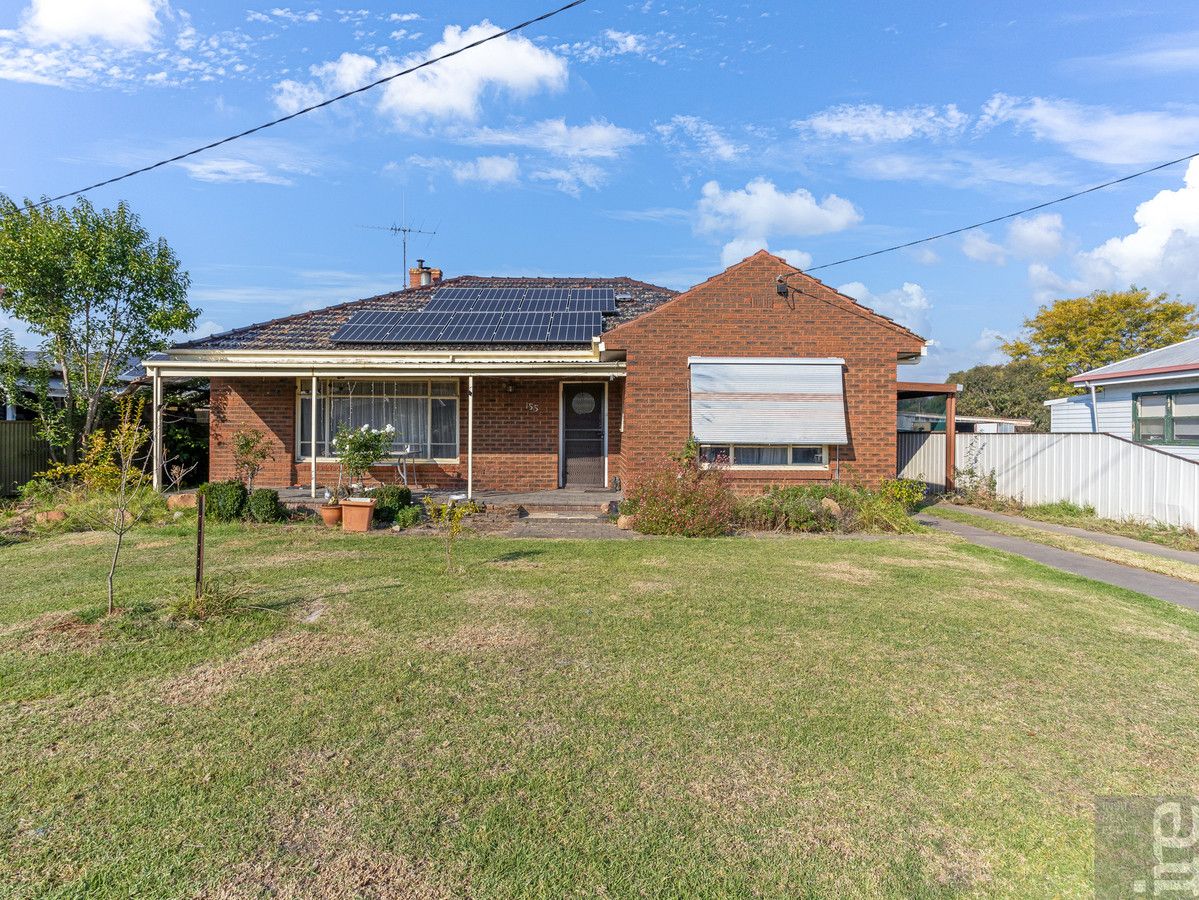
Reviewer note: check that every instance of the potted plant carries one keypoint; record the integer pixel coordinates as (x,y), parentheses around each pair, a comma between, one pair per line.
(331,509)
(358,449)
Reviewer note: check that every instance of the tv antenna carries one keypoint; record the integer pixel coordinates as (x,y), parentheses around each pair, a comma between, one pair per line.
(403,231)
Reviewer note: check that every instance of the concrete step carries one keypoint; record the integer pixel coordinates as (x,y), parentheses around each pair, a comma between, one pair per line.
(566,516)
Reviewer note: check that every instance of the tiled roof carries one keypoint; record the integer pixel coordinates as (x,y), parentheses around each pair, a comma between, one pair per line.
(1181,357)
(314,330)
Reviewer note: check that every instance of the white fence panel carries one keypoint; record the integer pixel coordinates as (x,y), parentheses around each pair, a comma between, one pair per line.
(1119,478)
(922,457)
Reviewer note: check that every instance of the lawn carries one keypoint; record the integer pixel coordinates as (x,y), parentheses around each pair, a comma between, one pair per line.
(741,717)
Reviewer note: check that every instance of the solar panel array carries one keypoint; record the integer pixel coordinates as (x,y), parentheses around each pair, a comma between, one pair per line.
(488,316)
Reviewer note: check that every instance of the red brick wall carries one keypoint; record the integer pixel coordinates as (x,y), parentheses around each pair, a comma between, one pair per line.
(739,313)
(515,434)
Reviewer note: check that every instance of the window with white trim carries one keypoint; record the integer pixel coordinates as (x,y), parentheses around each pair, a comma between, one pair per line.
(423,413)
(766,455)
(1166,417)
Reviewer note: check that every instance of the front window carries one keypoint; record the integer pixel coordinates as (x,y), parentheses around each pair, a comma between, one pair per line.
(1167,417)
(767,455)
(423,413)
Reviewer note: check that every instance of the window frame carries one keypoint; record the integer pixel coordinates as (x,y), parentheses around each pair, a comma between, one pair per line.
(323,396)
(1167,438)
(783,467)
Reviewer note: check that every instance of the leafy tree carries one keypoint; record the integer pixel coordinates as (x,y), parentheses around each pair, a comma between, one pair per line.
(1015,390)
(250,453)
(1071,336)
(97,289)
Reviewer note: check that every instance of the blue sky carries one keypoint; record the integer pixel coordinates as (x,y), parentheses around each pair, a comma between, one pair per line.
(654,139)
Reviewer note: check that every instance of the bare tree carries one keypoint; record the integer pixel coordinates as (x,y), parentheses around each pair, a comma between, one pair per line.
(124,507)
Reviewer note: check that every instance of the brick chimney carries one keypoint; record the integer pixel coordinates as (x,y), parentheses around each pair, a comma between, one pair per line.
(422,275)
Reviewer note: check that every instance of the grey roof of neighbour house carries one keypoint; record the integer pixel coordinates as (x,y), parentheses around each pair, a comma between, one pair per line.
(1181,358)
(314,330)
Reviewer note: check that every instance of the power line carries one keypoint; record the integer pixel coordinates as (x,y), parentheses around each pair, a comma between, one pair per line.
(308,109)
(1004,217)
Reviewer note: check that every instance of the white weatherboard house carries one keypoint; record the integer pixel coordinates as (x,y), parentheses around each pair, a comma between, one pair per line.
(1152,399)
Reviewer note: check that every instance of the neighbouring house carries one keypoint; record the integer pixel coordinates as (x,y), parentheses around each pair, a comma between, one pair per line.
(24,406)
(935,422)
(531,384)
(1152,398)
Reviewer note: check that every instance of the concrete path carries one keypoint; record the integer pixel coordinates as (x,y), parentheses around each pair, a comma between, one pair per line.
(1174,590)
(1099,537)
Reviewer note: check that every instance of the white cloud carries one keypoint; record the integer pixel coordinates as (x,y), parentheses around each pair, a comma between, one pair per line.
(223,171)
(979,247)
(1177,53)
(908,305)
(956,169)
(403,17)
(596,140)
(486,170)
(451,92)
(872,123)
(760,210)
(926,256)
(710,142)
(797,258)
(120,23)
(572,177)
(1035,237)
(613,43)
(1096,133)
(454,88)
(1163,253)
(1047,285)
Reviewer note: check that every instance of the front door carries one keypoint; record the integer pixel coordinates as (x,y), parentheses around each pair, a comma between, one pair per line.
(582,435)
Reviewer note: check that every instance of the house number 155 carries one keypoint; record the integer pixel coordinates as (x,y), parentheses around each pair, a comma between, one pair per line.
(532,407)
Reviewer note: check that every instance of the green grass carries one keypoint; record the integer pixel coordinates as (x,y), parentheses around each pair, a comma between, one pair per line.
(1064,512)
(907,717)
(1147,561)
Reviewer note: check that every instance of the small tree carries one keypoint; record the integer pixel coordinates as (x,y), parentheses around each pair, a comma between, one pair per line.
(447,519)
(123,507)
(97,289)
(360,448)
(250,453)
(1073,335)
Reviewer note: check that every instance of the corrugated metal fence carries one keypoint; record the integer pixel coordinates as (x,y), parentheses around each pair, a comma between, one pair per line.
(22,454)
(1119,478)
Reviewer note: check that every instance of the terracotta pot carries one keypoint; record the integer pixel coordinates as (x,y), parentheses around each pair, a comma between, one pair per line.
(331,513)
(356,515)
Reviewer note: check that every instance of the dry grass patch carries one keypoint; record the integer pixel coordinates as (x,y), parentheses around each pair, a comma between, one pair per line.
(742,784)
(505,597)
(53,633)
(207,682)
(516,565)
(839,571)
(321,855)
(480,638)
(651,587)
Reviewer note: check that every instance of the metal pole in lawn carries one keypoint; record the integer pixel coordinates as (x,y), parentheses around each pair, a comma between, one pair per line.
(199,546)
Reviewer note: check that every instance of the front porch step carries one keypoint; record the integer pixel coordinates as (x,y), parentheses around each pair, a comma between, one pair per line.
(564,516)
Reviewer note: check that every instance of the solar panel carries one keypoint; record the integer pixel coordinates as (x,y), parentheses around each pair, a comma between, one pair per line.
(575,327)
(471,328)
(368,327)
(497,305)
(523,327)
(597,299)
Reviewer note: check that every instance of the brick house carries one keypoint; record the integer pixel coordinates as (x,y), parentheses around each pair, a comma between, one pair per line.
(531,384)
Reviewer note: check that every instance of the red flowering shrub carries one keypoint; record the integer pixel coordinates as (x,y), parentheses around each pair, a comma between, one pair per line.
(684,498)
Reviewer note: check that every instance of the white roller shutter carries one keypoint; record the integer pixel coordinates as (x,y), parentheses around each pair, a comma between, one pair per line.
(767,401)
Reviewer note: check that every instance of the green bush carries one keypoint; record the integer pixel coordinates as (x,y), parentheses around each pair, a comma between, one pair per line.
(225,500)
(407,516)
(263,506)
(390,499)
(825,508)
(907,492)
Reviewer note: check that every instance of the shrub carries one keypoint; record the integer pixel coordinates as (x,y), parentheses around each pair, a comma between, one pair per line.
(907,492)
(225,500)
(407,516)
(263,506)
(684,498)
(360,448)
(250,453)
(390,499)
(822,508)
